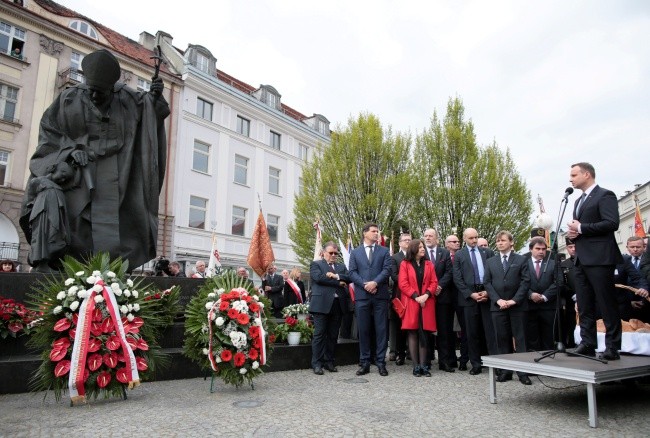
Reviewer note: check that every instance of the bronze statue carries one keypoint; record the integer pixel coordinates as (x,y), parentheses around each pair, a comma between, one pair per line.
(113,139)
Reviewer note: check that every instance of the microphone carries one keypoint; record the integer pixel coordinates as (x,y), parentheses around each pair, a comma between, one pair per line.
(567,192)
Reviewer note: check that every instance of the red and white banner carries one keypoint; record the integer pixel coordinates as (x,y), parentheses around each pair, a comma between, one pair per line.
(296,289)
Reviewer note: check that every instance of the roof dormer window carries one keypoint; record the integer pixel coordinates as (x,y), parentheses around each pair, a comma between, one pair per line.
(269,96)
(84,28)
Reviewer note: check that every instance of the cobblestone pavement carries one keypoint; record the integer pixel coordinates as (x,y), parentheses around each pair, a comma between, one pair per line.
(301,404)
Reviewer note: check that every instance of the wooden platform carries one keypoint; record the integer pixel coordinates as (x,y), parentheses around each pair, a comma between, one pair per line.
(571,368)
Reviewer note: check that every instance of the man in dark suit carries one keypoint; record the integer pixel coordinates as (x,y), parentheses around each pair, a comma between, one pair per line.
(370,269)
(328,302)
(273,285)
(452,244)
(507,282)
(469,268)
(569,294)
(397,336)
(595,219)
(542,296)
(446,338)
(628,274)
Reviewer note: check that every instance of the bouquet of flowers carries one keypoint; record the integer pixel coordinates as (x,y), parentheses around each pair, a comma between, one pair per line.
(292,324)
(15,318)
(98,333)
(295,310)
(225,329)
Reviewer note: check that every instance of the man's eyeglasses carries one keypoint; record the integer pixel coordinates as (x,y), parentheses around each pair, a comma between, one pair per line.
(454,241)
(332,253)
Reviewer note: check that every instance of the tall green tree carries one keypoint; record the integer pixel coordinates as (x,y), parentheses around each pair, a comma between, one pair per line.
(464,185)
(361,176)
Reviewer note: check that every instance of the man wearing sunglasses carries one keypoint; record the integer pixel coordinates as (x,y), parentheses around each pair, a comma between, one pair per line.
(328,303)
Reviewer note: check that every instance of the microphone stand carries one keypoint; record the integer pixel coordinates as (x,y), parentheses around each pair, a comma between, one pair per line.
(559,345)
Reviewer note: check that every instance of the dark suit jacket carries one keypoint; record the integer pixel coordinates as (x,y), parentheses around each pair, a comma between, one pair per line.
(324,288)
(644,265)
(445,275)
(544,285)
(569,286)
(394,274)
(464,275)
(512,284)
(598,217)
(362,271)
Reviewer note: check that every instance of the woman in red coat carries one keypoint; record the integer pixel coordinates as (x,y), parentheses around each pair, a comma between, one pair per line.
(417,283)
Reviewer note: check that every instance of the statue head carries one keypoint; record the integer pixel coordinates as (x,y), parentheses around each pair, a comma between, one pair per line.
(101,71)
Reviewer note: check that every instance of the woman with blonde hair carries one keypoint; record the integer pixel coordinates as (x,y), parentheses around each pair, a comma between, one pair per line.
(294,288)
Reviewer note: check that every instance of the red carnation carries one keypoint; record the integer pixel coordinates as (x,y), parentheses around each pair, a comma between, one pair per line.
(243,319)
(223,306)
(233,313)
(253,354)
(240,359)
(248,298)
(94,362)
(15,326)
(257,343)
(254,307)
(226,355)
(157,296)
(271,339)
(103,379)
(253,331)
(291,321)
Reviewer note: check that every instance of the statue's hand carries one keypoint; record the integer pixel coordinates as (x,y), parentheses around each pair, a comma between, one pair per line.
(80,157)
(157,87)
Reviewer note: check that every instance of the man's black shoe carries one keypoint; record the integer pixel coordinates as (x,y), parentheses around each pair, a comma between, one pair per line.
(399,361)
(363,370)
(383,371)
(475,370)
(610,354)
(504,377)
(318,370)
(446,368)
(331,368)
(462,367)
(584,350)
(525,380)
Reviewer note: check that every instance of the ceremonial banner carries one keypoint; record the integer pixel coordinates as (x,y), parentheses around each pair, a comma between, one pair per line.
(260,253)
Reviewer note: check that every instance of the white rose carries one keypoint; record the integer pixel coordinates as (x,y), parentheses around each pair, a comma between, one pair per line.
(61,295)
(115,286)
(79,274)
(74,305)
(99,298)
(218,359)
(243,371)
(126,292)
(97,274)
(257,321)
(220,291)
(118,292)
(69,281)
(219,322)
(209,305)
(212,295)
(130,306)
(136,307)
(70,293)
(124,310)
(256,298)
(73,289)
(91,280)
(82,294)
(98,288)
(57,310)
(130,317)
(206,351)
(261,305)
(255,365)
(135,294)
(129,282)
(110,274)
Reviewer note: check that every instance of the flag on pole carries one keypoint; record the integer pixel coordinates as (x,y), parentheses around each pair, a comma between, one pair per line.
(390,245)
(345,254)
(638,221)
(214,265)
(260,253)
(318,245)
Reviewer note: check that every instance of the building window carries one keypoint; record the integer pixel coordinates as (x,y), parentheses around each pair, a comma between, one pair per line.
(303,152)
(272,222)
(143,85)
(272,100)
(84,28)
(4,167)
(274,181)
(198,209)
(274,141)
(300,185)
(201,158)
(238,220)
(203,109)
(8,102)
(202,63)
(322,127)
(75,67)
(243,126)
(11,38)
(241,170)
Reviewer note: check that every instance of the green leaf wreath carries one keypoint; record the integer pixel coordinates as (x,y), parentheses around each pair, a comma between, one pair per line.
(237,312)
(61,296)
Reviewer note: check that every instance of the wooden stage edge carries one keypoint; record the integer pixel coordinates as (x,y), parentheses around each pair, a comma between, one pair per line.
(571,368)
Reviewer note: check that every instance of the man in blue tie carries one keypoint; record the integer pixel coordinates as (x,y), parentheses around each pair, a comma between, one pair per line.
(370,269)
(469,269)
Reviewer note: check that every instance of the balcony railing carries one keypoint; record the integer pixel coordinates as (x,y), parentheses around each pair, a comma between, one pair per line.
(9,251)
(70,77)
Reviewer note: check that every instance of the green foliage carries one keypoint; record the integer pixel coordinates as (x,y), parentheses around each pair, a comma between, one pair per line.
(361,176)
(462,185)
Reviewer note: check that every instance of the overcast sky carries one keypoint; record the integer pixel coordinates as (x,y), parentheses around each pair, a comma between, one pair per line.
(556,82)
